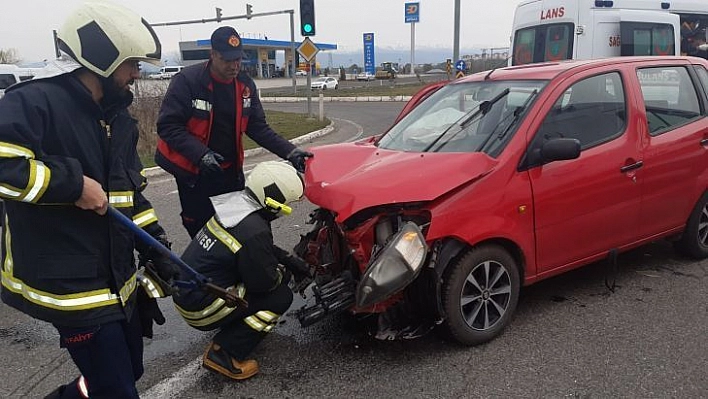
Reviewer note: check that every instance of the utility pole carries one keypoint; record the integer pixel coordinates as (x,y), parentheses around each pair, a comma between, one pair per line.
(456,40)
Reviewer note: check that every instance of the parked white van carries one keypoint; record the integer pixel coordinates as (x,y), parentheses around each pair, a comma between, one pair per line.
(166,72)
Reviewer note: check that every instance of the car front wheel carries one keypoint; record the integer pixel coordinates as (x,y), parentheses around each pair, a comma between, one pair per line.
(480,293)
(694,240)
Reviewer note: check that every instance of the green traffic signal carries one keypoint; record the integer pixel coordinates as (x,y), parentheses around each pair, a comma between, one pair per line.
(307,28)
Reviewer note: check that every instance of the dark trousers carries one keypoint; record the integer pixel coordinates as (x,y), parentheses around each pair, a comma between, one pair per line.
(239,338)
(109,356)
(196,206)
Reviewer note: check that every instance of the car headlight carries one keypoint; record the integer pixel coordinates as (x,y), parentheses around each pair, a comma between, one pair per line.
(397,265)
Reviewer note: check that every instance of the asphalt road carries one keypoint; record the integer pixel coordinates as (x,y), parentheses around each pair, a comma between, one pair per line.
(571,337)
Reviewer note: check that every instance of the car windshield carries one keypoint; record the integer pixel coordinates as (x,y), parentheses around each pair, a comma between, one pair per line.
(464,117)
(320,80)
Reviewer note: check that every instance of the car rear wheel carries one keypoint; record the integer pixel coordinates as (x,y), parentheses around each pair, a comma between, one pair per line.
(694,240)
(480,293)
(336,87)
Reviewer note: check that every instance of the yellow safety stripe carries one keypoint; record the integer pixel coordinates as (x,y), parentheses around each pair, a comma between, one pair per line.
(255,323)
(8,150)
(211,314)
(151,288)
(128,288)
(144,218)
(267,316)
(120,199)
(222,235)
(8,264)
(39,176)
(68,302)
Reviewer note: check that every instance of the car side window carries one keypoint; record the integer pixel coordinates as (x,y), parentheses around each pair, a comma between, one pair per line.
(670,98)
(591,110)
(702,76)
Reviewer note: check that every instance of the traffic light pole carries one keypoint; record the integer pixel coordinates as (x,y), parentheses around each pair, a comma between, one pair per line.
(249,16)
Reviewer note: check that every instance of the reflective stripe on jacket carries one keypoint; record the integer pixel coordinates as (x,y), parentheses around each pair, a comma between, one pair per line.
(60,263)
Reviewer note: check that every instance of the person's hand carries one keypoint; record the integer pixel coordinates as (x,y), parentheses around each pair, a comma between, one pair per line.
(93,198)
(159,266)
(148,312)
(298,267)
(297,158)
(210,164)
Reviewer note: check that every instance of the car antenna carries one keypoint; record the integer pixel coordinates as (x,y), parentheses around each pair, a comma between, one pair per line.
(486,77)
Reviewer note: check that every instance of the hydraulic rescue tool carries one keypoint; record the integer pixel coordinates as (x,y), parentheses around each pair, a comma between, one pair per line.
(197,279)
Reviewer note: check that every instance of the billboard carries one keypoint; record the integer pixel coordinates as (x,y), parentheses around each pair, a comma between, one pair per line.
(412,12)
(369,61)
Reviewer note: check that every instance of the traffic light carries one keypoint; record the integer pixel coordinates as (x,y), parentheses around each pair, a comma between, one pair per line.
(307,17)
(218,14)
(249,11)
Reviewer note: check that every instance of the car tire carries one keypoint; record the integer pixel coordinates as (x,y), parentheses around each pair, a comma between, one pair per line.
(336,87)
(694,240)
(475,313)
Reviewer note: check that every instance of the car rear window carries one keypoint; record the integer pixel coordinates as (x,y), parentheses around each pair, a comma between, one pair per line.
(6,80)
(670,98)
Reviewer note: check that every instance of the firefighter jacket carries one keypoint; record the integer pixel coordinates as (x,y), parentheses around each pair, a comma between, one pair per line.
(184,124)
(235,250)
(62,264)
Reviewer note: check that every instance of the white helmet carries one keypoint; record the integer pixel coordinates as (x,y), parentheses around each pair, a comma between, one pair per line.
(100,36)
(275,184)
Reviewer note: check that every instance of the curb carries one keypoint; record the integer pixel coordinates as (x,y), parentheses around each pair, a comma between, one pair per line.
(158,171)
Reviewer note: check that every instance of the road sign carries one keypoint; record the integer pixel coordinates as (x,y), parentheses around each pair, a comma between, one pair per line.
(460,74)
(460,65)
(412,12)
(307,49)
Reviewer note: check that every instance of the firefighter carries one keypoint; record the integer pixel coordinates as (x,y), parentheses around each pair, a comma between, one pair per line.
(235,249)
(67,152)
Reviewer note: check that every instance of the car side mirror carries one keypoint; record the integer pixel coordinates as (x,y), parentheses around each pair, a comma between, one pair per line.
(560,149)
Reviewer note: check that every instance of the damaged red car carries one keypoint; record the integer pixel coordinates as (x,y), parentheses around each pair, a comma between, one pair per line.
(501,179)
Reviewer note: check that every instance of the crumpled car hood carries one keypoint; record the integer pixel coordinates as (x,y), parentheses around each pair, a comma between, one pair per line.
(346,178)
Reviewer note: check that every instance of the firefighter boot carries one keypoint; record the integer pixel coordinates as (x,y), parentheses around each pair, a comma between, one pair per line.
(218,360)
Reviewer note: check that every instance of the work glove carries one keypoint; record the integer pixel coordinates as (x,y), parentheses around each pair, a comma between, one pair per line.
(297,157)
(159,266)
(210,164)
(148,312)
(301,271)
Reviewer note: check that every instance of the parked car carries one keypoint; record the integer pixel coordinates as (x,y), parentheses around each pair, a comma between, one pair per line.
(300,72)
(365,76)
(501,179)
(324,83)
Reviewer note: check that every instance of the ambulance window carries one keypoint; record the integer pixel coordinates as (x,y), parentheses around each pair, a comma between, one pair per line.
(549,42)
(639,38)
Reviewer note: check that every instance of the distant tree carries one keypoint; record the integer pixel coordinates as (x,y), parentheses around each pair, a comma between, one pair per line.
(9,56)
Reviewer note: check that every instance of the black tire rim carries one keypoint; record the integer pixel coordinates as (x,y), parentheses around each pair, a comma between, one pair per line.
(485,295)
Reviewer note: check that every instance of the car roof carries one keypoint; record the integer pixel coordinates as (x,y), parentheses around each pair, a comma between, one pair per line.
(549,70)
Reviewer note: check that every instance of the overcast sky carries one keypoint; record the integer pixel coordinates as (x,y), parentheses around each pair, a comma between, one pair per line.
(26,25)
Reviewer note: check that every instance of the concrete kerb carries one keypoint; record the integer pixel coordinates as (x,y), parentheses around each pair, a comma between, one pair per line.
(158,171)
(336,99)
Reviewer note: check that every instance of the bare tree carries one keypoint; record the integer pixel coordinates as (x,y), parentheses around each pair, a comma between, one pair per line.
(9,56)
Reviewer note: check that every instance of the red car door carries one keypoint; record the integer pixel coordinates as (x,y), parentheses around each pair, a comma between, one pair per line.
(587,206)
(675,151)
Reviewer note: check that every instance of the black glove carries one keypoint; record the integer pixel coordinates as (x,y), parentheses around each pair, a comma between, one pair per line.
(209,165)
(297,157)
(148,312)
(160,265)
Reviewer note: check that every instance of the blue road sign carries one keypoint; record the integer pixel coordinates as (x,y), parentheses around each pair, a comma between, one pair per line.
(412,12)
(460,65)
(369,62)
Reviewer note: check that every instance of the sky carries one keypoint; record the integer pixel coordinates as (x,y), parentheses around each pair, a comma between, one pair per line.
(26,25)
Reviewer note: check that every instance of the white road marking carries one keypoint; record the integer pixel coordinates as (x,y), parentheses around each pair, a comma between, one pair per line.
(180,381)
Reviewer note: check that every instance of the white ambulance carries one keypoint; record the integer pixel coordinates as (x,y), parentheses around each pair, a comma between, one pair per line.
(11,74)
(552,30)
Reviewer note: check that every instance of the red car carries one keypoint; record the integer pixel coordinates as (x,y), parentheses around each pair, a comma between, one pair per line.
(501,179)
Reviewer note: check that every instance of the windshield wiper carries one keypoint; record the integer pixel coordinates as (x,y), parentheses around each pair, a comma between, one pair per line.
(483,108)
(517,112)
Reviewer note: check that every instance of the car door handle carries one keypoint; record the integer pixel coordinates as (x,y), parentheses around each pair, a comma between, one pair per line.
(704,142)
(631,167)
